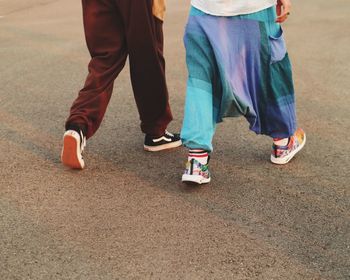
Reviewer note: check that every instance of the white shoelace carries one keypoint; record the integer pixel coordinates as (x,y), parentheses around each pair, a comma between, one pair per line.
(168,133)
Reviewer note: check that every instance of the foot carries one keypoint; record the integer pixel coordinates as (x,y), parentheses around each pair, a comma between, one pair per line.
(73,147)
(283,154)
(166,141)
(196,172)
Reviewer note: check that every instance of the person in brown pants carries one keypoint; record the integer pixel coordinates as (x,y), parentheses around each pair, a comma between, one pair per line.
(114,30)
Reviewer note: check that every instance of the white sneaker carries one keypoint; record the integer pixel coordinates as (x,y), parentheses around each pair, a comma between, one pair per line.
(73,147)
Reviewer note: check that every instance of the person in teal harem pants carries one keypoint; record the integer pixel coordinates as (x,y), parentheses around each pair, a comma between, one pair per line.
(238,66)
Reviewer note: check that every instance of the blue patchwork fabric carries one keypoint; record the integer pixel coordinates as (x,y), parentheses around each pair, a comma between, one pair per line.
(238,66)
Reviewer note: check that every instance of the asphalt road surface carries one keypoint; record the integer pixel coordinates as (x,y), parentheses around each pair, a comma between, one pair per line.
(127,215)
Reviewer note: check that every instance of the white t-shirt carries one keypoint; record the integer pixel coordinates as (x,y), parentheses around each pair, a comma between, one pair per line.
(232,7)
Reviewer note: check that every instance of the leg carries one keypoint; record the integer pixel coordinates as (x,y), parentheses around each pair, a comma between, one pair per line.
(199,117)
(198,130)
(147,66)
(275,100)
(279,108)
(106,43)
(202,105)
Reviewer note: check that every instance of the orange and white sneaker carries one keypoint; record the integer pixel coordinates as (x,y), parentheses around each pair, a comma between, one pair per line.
(283,154)
(73,147)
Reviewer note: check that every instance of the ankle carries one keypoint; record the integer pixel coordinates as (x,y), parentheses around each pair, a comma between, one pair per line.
(78,128)
(200,155)
(281,141)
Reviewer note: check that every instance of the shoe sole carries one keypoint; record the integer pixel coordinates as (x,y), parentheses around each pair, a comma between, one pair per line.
(197,179)
(70,153)
(162,147)
(281,161)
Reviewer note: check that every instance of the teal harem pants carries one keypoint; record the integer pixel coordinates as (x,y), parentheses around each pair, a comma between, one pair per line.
(237,66)
(114,30)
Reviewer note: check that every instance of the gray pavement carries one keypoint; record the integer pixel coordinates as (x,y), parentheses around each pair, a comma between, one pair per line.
(127,216)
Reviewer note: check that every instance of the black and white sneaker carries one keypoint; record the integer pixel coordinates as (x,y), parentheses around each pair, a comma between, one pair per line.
(166,141)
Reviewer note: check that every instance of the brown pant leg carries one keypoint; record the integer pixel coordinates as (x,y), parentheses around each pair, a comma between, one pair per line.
(105,38)
(144,37)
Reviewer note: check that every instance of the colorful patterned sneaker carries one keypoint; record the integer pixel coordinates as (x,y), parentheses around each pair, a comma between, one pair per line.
(166,141)
(283,154)
(196,172)
(73,147)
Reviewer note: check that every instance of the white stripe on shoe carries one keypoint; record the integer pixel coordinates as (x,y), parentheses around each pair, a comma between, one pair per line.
(161,138)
